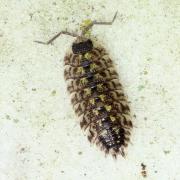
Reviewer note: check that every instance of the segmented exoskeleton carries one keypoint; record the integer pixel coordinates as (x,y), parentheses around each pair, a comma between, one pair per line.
(96,93)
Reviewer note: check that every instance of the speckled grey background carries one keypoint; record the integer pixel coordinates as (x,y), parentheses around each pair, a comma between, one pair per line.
(40,138)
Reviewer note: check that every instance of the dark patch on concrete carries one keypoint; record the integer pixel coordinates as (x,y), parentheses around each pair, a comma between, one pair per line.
(8,117)
(167,151)
(143,170)
(16,120)
(53,93)
(80,153)
(33,89)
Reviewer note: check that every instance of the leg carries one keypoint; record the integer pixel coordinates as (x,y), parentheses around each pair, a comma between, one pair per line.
(99,23)
(106,23)
(56,36)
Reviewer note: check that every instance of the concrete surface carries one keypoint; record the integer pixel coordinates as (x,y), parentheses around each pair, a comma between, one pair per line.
(40,138)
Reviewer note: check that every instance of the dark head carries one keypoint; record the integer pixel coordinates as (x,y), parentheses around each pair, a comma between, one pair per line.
(82,46)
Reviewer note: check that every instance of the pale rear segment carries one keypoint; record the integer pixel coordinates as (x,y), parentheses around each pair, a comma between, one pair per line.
(98,99)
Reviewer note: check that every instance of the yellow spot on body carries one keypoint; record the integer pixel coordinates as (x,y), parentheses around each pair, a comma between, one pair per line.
(93,67)
(102,97)
(83,81)
(95,112)
(116,130)
(88,55)
(103,133)
(108,108)
(92,101)
(98,76)
(100,87)
(112,118)
(80,56)
(87,91)
(80,70)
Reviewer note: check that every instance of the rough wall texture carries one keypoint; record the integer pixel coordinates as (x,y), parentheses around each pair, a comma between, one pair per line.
(40,138)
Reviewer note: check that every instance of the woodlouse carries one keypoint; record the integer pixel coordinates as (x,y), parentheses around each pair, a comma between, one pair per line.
(96,93)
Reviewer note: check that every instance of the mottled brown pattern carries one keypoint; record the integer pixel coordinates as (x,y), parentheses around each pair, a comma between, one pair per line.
(98,99)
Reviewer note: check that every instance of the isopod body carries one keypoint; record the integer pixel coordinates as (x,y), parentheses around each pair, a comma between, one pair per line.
(97,95)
